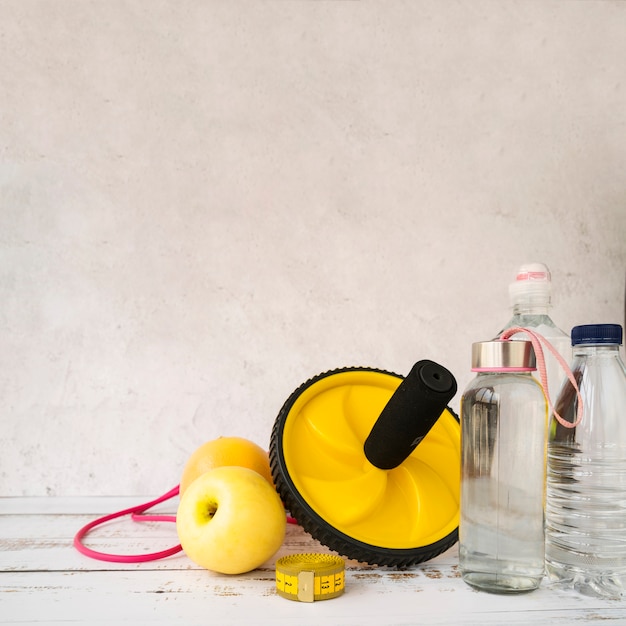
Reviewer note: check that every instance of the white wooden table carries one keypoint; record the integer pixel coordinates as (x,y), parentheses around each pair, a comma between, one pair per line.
(44,580)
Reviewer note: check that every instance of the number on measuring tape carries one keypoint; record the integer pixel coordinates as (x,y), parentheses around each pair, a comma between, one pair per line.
(310,577)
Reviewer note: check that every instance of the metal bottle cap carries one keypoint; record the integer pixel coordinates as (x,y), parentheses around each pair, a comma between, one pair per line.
(496,355)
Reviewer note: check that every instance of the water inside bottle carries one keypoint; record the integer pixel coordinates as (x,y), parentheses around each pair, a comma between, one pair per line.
(501,542)
(502,547)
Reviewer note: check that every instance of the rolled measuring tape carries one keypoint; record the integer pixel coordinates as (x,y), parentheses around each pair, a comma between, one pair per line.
(310,577)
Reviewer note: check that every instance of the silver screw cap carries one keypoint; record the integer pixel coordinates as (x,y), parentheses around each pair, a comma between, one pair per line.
(503,355)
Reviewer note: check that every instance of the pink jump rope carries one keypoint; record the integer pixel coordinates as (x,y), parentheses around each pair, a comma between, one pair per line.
(138,512)
(137,515)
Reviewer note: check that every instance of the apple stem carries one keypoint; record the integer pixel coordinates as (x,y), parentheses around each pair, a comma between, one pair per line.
(209,510)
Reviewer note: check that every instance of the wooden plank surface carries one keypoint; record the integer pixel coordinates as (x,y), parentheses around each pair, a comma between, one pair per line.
(44,580)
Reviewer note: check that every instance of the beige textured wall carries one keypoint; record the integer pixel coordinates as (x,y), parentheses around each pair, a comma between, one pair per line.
(204,203)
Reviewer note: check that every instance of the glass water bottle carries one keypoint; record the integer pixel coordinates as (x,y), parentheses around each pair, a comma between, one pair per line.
(503,447)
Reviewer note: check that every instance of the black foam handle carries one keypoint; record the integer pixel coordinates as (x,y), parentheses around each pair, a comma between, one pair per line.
(409,414)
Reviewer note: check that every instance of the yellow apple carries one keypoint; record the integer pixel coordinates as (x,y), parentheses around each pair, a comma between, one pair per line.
(225,451)
(230,520)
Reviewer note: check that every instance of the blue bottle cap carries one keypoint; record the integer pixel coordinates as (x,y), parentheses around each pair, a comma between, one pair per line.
(597,333)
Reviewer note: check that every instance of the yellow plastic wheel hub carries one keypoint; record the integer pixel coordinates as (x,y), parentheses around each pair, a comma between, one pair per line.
(398,516)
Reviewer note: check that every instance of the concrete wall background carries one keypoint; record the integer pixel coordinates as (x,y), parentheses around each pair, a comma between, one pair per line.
(203,204)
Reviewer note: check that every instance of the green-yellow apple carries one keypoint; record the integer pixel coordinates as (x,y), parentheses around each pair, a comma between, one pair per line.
(230,520)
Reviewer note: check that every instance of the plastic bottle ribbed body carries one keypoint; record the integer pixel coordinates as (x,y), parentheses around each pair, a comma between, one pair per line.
(586,481)
(503,443)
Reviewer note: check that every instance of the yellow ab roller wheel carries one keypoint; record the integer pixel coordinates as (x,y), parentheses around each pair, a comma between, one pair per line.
(367,461)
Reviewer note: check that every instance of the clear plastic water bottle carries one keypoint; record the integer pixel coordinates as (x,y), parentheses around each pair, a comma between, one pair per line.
(504,424)
(531,298)
(586,485)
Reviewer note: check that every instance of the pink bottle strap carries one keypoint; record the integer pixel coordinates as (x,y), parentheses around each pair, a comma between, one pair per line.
(537,340)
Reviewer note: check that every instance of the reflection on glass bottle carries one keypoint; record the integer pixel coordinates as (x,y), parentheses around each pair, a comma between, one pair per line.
(482,438)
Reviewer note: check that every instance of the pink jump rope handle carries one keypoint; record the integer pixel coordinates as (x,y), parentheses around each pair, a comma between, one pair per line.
(536,340)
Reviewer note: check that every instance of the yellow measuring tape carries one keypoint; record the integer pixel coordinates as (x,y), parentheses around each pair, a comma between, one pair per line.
(310,577)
